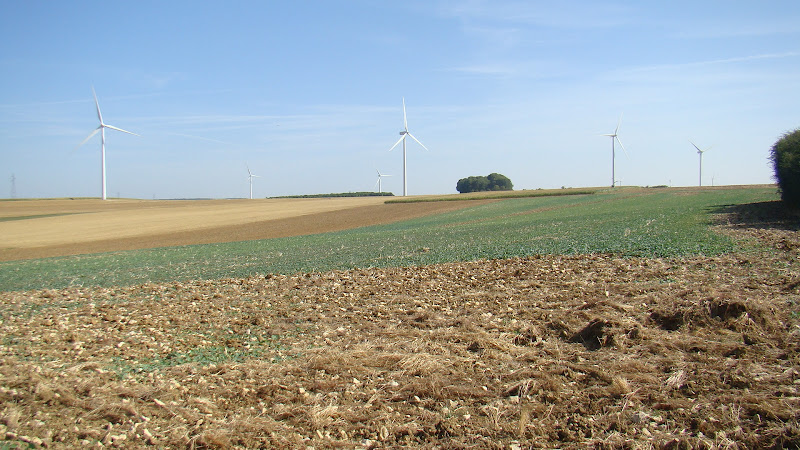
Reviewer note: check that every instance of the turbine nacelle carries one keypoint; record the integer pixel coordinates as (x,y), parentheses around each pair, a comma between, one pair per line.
(403,135)
(700,153)
(378,183)
(614,137)
(250,176)
(102,130)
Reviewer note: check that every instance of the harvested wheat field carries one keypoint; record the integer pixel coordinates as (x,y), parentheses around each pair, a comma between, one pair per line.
(591,351)
(47,228)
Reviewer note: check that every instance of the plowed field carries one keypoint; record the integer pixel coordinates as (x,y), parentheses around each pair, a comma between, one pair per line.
(541,352)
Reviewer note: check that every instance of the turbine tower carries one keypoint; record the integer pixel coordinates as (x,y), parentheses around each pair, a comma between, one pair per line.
(102,130)
(380,175)
(250,176)
(614,137)
(402,139)
(700,153)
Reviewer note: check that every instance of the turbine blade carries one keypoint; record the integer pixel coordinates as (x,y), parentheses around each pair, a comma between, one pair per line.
(91,135)
(618,124)
(405,121)
(695,146)
(97,105)
(398,141)
(120,129)
(623,147)
(418,142)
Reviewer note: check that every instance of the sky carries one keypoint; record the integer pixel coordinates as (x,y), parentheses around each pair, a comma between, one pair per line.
(309,94)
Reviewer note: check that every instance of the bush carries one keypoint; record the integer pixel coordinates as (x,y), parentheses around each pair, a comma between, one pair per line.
(786,160)
(492,182)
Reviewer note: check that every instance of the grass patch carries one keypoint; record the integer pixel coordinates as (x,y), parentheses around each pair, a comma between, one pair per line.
(37,216)
(203,356)
(652,223)
(495,195)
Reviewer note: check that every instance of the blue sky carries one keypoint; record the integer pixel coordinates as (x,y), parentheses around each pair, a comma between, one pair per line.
(309,94)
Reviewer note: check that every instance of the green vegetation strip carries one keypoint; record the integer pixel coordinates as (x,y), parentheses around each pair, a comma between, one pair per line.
(341,194)
(38,216)
(494,195)
(658,223)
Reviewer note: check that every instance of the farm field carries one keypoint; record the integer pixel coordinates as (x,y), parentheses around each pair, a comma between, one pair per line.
(633,319)
(665,223)
(45,228)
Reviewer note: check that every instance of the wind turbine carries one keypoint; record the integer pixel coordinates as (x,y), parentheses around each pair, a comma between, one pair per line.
(102,129)
(614,137)
(700,152)
(380,175)
(402,139)
(250,176)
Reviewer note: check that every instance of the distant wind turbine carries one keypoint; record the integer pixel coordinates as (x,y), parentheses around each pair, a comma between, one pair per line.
(102,130)
(380,175)
(614,137)
(700,153)
(402,139)
(250,176)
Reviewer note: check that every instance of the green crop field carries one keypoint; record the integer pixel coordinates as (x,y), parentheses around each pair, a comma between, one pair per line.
(652,223)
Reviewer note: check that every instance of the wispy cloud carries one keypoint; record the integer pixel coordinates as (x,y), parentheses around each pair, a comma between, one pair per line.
(313,120)
(178,93)
(740,30)
(493,70)
(161,81)
(511,70)
(191,136)
(496,36)
(565,14)
(40,104)
(713,62)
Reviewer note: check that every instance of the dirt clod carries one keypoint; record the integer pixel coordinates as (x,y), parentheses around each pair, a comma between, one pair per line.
(592,336)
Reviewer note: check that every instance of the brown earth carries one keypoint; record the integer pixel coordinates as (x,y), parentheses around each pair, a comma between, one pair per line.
(590,351)
(60,228)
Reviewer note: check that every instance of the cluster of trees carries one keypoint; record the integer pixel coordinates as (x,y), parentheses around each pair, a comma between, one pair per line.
(786,160)
(491,182)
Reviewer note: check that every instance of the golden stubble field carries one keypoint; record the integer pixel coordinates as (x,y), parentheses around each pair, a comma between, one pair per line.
(584,351)
(44,228)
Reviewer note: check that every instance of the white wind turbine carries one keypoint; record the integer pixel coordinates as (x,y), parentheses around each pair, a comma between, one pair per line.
(102,130)
(613,156)
(700,153)
(402,139)
(380,175)
(250,176)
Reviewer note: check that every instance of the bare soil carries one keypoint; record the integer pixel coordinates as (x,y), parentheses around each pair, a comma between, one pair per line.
(543,352)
